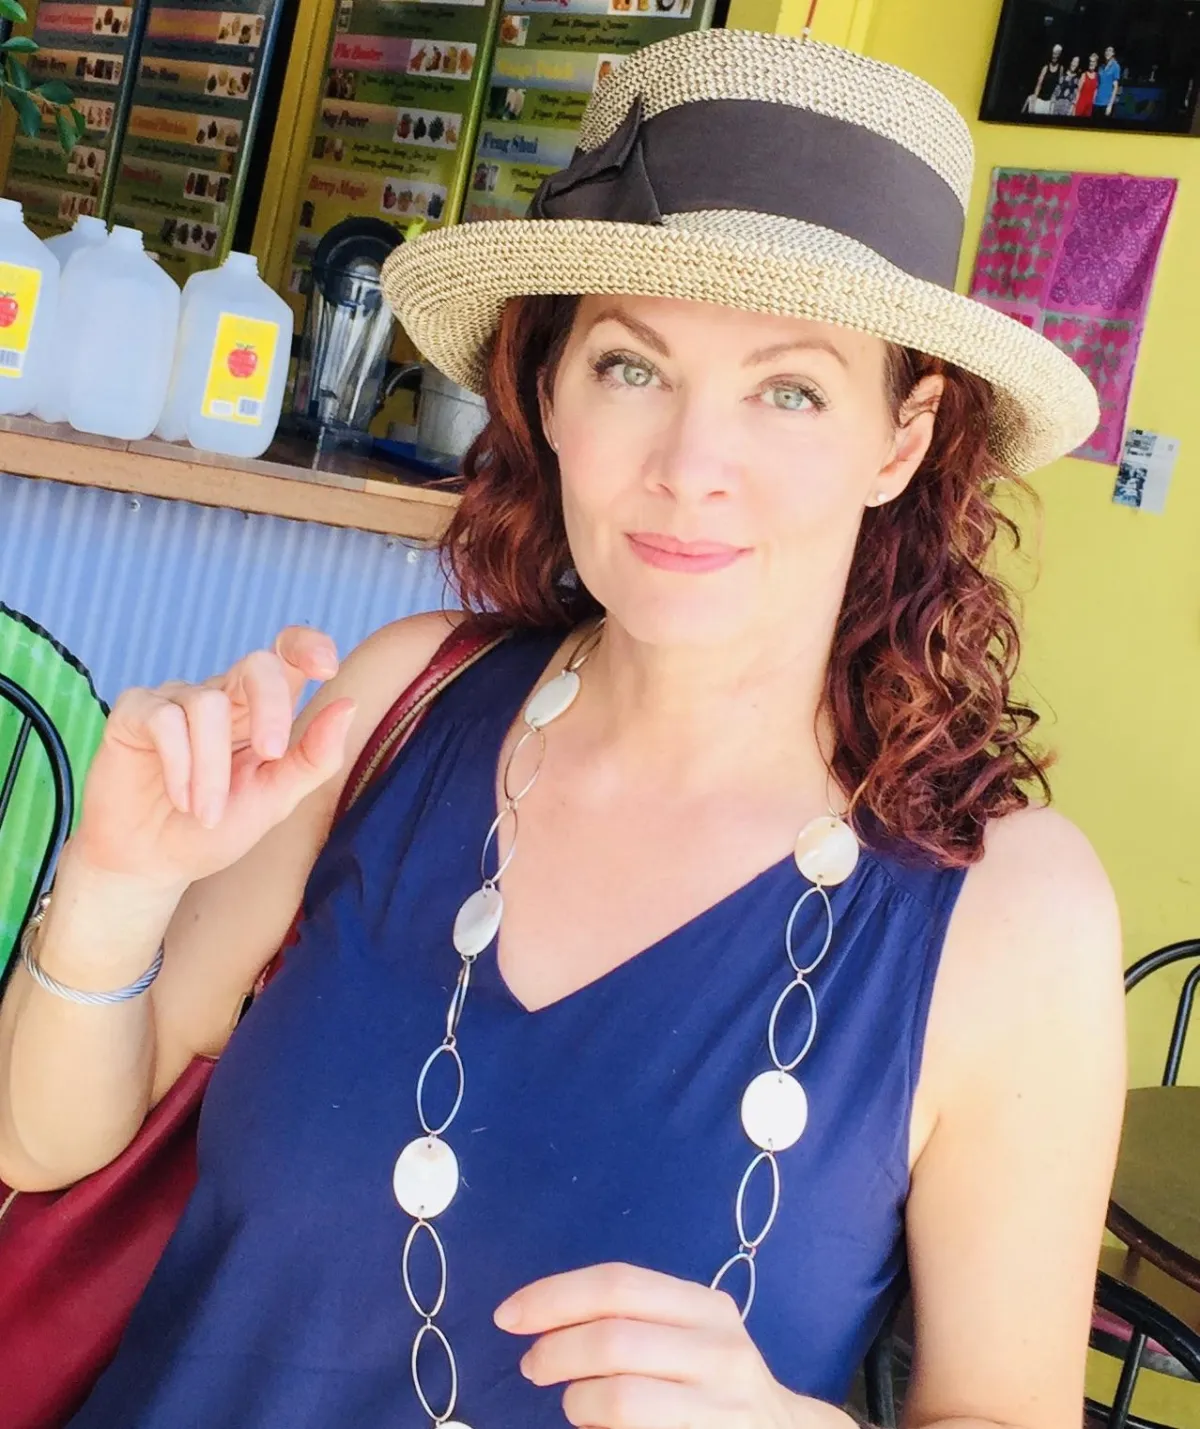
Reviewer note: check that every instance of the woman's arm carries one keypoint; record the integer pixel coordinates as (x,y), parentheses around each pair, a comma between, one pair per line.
(1025,1071)
(75,1081)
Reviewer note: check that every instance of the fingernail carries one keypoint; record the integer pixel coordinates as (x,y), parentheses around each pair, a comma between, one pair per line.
(276,745)
(508,1315)
(524,1366)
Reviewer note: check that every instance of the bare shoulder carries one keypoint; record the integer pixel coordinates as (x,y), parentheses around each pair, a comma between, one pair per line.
(1039,904)
(1031,968)
(396,650)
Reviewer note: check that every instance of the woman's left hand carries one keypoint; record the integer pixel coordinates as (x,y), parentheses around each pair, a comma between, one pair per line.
(641,1350)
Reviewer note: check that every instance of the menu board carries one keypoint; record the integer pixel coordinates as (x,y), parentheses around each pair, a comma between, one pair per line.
(549,57)
(193,109)
(87,47)
(393,136)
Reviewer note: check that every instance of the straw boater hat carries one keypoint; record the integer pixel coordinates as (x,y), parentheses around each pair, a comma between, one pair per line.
(766,173)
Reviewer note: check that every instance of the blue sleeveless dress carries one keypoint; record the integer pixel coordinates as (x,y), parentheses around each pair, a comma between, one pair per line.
(604,1127)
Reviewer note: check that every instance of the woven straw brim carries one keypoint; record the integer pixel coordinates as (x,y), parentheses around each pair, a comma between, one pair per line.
(449,287)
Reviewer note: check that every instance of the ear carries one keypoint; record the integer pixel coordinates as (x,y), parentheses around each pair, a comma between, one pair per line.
(546,411)
(911,439)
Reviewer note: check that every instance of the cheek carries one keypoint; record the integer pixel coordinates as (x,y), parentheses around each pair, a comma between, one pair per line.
(603,455)
(813,478)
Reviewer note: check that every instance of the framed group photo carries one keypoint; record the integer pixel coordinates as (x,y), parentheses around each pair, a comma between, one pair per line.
(1129,65)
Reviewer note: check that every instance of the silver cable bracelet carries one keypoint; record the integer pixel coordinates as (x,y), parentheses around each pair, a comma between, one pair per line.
(73,994)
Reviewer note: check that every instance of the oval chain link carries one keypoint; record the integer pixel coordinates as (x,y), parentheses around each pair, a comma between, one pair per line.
(448,1047)
(748,1246)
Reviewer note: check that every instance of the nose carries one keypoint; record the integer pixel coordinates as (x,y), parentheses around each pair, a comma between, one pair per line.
(692,458)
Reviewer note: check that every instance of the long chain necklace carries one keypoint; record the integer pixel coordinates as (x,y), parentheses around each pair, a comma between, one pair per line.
(774,1107)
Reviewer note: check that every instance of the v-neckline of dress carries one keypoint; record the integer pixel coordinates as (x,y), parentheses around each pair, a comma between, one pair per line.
(488,968)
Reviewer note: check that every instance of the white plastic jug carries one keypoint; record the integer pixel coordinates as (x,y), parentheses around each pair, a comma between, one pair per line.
(231,361)
(29,281)
(124,315)
(51,405)
(87,230)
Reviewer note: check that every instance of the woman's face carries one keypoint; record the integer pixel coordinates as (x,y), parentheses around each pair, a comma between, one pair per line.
(716,464)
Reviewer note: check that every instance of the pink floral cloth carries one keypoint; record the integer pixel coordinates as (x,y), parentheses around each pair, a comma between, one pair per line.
(1073,256)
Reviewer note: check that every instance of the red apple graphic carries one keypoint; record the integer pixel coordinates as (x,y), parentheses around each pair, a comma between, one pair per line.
(9,310)
(243,362)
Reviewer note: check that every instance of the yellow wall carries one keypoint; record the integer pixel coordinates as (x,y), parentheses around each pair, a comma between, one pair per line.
(1113,624)
(841,22)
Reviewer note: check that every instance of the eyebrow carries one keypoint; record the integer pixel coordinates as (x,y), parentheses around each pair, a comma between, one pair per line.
(647,334)
(809,344)
(762,354)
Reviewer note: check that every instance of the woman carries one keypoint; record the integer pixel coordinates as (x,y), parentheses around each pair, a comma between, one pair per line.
(705,1040)
(1085,99)
(1067,88)
(1042,96)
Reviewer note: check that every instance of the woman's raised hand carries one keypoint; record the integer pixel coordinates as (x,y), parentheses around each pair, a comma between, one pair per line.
(188,778)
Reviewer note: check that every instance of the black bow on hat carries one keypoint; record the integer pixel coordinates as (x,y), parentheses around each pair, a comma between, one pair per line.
(610,182)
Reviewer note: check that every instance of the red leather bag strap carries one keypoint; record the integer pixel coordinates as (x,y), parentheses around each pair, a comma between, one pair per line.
(468,642)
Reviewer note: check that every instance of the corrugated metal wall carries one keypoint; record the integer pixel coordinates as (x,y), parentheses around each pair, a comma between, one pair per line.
(143,590)
(135,591)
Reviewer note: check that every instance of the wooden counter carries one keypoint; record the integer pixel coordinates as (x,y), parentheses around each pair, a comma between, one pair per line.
(356,492)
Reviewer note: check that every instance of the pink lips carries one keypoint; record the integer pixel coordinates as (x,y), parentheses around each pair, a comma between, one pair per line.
(693,557)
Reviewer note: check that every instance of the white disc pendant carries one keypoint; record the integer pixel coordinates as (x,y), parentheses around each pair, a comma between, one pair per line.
(774,1111)
(478,921)
(552,700)
(827,851)
(425,1178)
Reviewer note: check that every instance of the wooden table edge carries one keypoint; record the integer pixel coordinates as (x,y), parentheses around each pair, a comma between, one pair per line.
(1152,1247)
(411,512)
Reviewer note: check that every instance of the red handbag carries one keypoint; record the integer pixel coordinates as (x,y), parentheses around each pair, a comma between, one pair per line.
(73,1263)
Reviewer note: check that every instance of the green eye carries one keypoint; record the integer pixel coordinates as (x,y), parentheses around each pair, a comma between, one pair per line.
(789,399)
(632,374)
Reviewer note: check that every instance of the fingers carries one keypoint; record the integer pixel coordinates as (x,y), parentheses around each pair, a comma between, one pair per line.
(210,734)
(307,654)
(167,726)
(190,728)
(316,757)
(266,685)
(269,698)
(620,1347)
(613,1292)
(148,720)
(634,1402)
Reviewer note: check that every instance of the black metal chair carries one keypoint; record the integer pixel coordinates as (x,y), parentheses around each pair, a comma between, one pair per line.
(890,1352)
(1157,1320)
(1155,962)
(34,721)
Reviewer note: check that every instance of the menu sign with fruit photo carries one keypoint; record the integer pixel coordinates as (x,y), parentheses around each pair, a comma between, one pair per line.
(193,111)
(86,48)
(395,125)
(550,55)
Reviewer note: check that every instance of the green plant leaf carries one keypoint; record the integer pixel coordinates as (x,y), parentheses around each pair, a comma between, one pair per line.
(29,116)
(10,10)
(67,136)
(54,91)
(18,75)
(81,127)
(19,45)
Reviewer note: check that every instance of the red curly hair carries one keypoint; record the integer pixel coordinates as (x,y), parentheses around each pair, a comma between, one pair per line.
(928,741)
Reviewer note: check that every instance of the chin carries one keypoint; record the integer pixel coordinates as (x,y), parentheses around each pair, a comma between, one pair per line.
(718,615)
